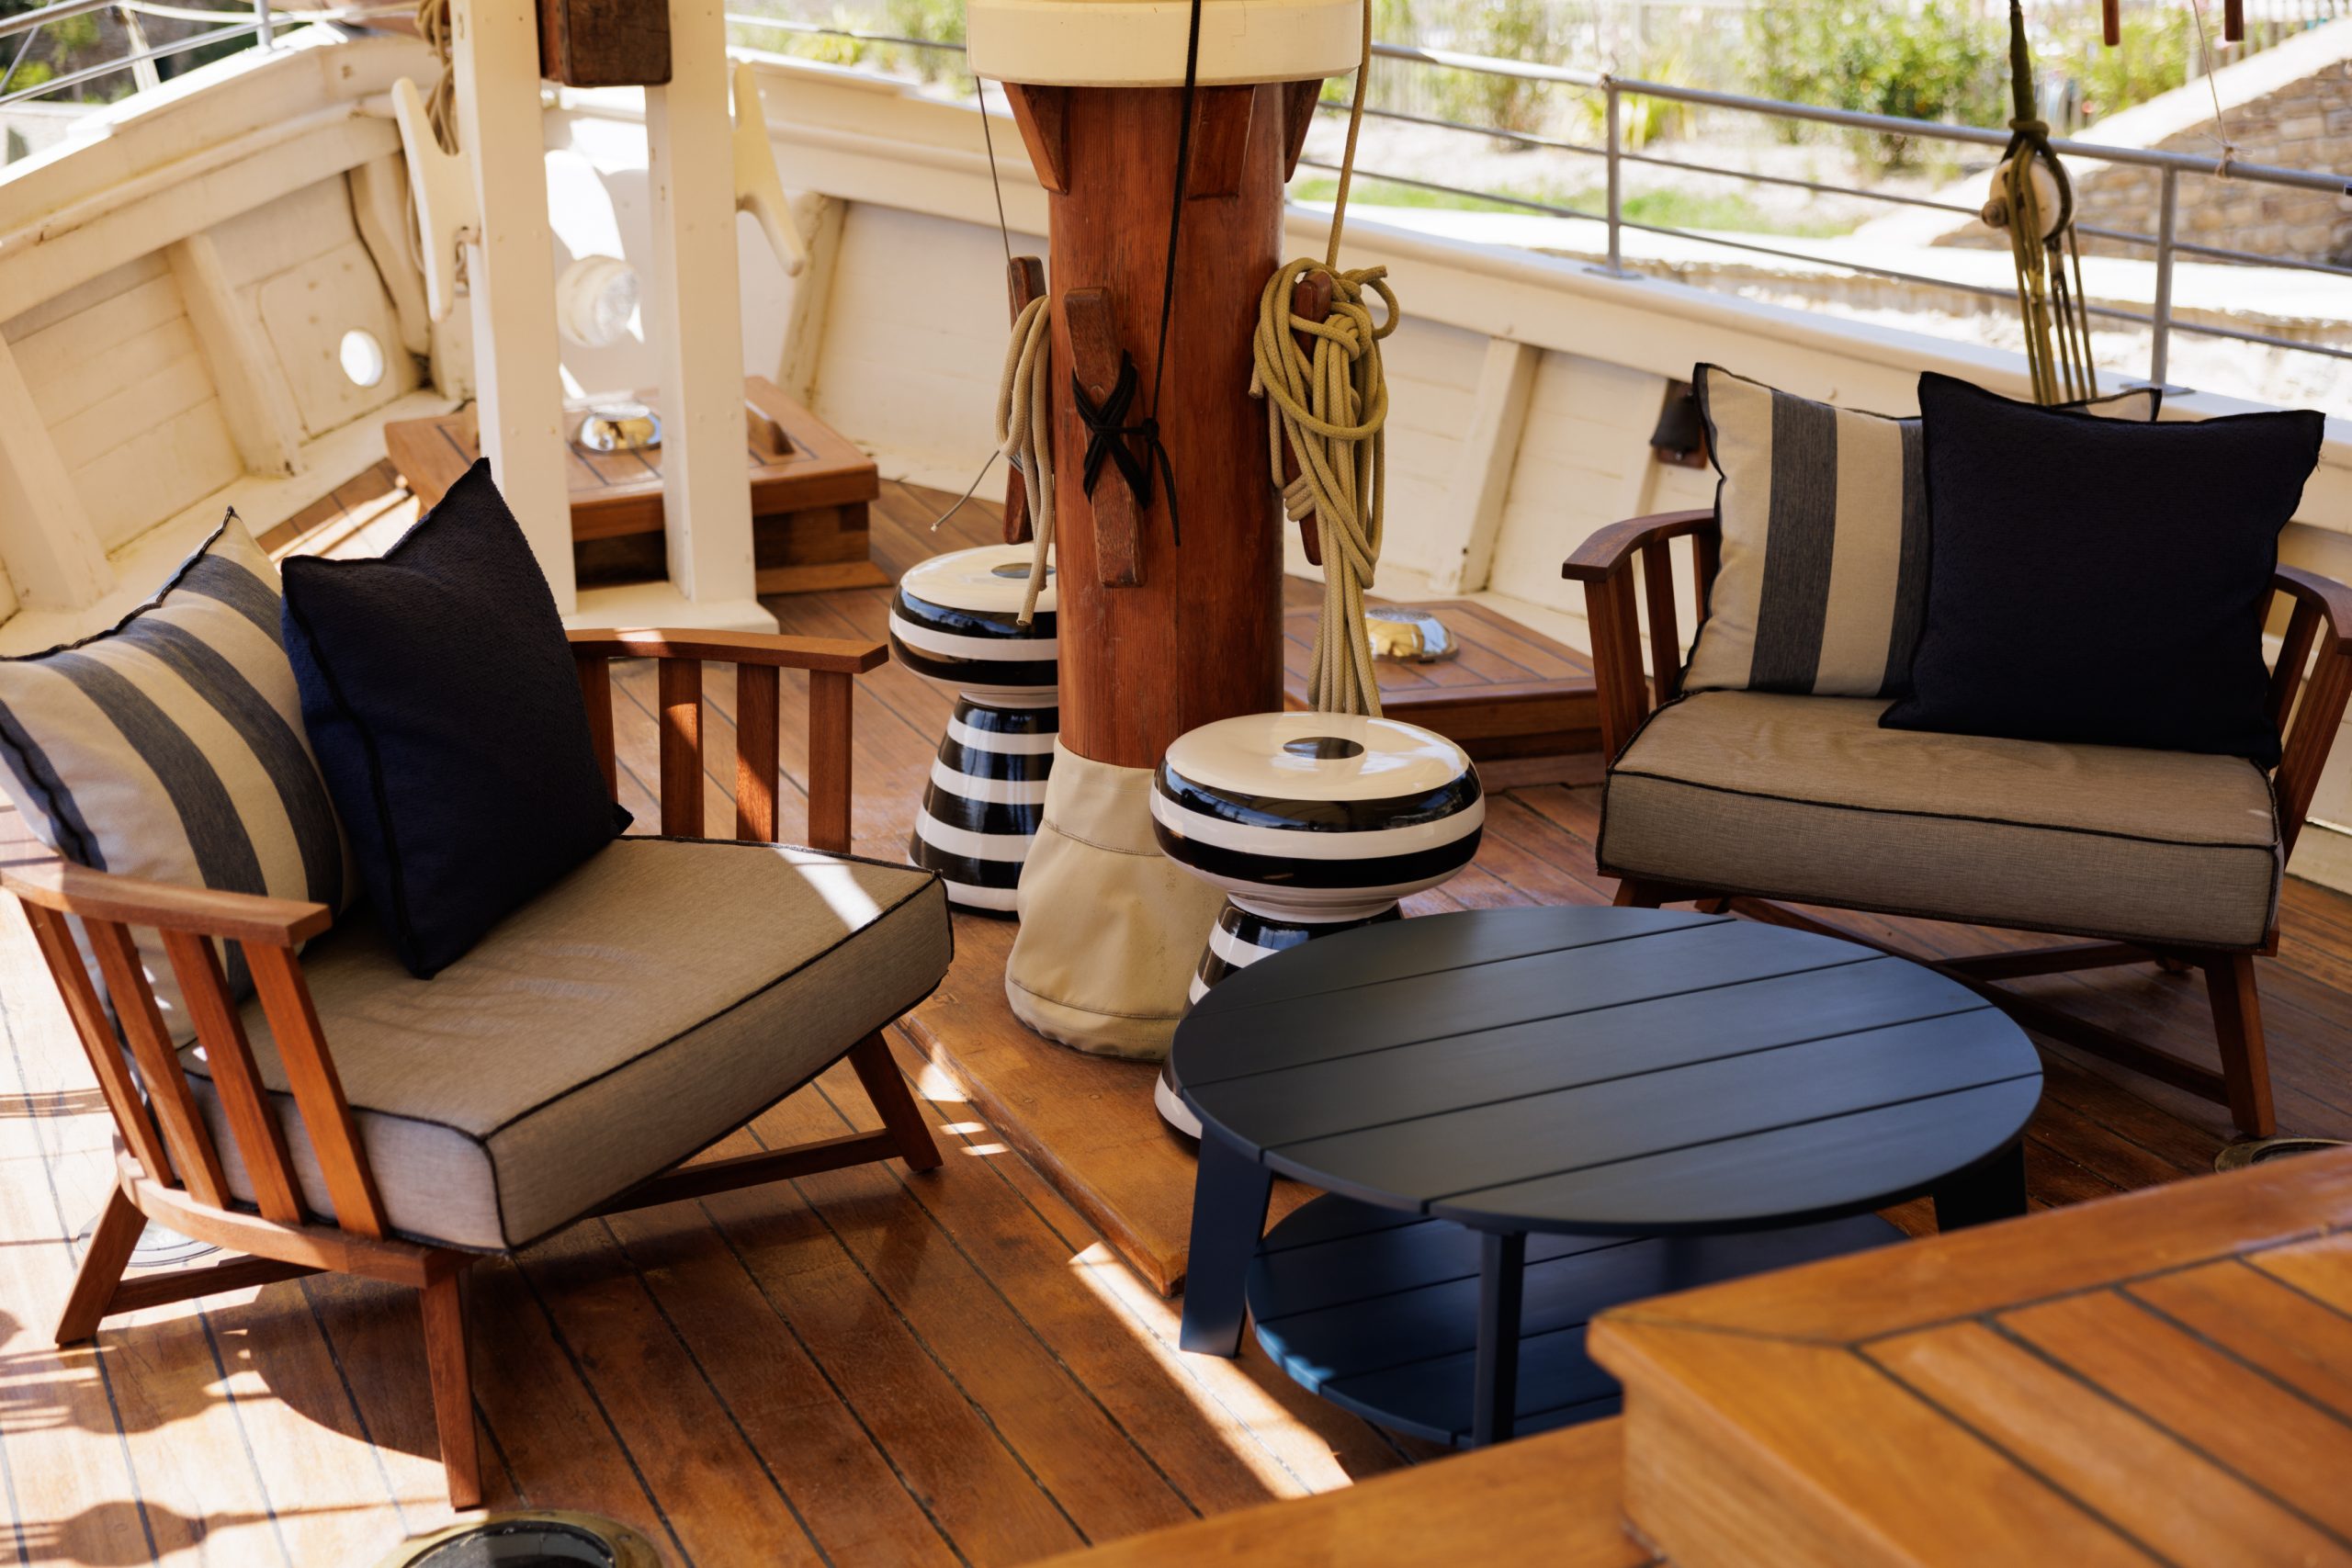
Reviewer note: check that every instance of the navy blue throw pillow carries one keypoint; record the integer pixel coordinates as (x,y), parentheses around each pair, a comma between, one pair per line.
(2097,580)
(440,697)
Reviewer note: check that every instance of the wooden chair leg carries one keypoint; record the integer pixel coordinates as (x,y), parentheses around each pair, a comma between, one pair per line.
(117,1232)
(1633,895)
(2237,1023)
(887,1087)
(453,1385)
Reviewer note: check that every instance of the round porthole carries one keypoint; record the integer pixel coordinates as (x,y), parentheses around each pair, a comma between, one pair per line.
(362,357)
(550,1540)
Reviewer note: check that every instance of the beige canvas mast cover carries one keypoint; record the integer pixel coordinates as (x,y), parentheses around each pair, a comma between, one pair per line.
(1110,929)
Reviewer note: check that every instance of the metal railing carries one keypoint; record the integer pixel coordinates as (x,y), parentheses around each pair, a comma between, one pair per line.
(2165,243)
(254,20)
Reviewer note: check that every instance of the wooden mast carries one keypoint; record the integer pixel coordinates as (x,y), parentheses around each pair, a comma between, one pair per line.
(1171,636)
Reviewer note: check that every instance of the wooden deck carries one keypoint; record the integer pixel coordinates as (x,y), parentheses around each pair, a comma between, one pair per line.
(860,1367)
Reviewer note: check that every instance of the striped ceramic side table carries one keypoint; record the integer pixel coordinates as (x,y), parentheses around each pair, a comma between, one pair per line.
(955,620)
(1312,823)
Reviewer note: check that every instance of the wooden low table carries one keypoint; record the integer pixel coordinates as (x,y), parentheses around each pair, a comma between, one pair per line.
(1522,703)
(811,487)
(1659,1099)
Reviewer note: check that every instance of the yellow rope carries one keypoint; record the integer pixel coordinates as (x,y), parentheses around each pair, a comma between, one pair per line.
(440,104)
(1331,403)
(1025,424)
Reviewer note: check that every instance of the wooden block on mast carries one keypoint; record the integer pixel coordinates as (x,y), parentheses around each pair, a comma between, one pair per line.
(1095,359)
(604,44)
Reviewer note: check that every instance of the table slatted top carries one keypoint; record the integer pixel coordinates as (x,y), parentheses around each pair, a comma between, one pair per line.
(1606,1071)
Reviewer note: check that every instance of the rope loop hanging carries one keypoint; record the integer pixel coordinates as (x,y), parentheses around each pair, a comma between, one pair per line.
(1327,399)
(1025,424)
(2036,205)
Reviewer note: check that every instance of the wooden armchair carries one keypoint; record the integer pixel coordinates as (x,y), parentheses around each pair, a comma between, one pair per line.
(294,1131)
(1627,568)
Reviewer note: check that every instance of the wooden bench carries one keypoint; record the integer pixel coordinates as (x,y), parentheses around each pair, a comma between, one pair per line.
(2165,1377)
(1550,1499)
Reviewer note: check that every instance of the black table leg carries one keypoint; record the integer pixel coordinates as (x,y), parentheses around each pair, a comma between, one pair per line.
(1494,1397)
(1992,1189)
(1229,1195)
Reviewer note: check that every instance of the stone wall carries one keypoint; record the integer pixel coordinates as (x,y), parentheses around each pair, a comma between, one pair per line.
(2289,106)
(2306,124)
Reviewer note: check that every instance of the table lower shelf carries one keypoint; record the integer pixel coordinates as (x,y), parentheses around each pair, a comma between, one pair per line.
(1377,1310)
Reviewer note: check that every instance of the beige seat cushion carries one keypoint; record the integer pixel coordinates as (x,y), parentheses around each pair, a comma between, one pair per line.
(1807,799)
(640,1009)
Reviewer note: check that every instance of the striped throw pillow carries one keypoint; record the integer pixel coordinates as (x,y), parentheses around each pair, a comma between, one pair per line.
(170,746)
(1823,584)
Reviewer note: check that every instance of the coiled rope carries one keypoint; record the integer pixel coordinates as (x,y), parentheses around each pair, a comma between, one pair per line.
(1331,403)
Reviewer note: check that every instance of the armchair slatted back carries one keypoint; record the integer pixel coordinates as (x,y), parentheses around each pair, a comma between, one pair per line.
(831,662)
(164,1129)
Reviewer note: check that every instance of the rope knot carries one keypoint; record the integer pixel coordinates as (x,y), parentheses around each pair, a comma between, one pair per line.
(1109,439)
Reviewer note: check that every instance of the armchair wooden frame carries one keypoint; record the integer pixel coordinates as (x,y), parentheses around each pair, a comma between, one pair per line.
(168,1169)
(2310,683)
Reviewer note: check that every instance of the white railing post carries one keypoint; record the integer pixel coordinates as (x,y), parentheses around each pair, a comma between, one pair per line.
(1616,164)
(2160,314)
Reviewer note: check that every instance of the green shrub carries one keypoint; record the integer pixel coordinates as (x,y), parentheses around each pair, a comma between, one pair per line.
(1531,30)
(1936,62)
(2153,57)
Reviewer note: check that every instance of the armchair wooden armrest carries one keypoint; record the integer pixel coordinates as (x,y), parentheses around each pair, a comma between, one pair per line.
(71,889)
(1607,551)
(834,655)
(830,664)
(2310,681)
(1625,694)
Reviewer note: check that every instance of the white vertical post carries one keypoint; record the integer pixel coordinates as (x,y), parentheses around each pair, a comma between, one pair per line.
(510,273)
(695,317)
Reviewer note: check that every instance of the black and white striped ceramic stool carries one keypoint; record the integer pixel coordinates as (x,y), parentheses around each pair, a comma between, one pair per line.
(1312,823)
(955,620)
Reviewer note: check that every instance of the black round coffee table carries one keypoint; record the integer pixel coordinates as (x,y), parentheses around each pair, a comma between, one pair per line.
(1659,1097)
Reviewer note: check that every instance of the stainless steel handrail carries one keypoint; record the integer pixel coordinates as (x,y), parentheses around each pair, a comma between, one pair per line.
(261,26)
(2165,241)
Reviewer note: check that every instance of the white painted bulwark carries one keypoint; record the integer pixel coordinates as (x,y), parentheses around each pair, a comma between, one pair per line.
(692,317)
(1141,43)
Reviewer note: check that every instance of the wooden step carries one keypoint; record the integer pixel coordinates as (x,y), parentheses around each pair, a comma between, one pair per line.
(2160,1378)
(1550,1499)
(1519,702)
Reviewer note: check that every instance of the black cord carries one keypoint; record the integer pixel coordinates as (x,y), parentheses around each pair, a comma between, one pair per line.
(1003,230)
(1106,430)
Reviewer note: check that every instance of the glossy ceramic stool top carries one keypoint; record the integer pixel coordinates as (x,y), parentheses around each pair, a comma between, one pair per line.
(1320,814)
(955,619)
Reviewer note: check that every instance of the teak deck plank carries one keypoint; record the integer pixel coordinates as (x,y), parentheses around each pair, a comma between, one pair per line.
(805,1328)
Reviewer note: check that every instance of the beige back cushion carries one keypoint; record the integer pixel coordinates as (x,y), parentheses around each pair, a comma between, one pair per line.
(1824,581)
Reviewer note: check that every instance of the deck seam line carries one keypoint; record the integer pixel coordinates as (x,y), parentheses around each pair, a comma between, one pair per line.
(2098,1389)
(628,1456)
(655,1300)
(1052,1354)
(775,1310)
